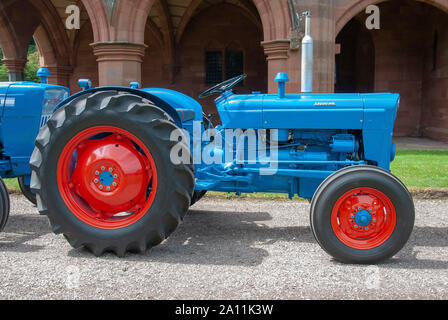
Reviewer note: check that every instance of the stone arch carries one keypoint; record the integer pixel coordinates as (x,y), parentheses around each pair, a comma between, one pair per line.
(194,5)
(358,6)
(8,39)
(275,19)
(409,58)
(98,15)
(219,41)
(56,32)
(46,22)
(20,22)
(47,55)
(129,20)
(19,33)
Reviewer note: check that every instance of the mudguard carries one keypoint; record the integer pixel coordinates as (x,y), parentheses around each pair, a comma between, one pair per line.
(168,100)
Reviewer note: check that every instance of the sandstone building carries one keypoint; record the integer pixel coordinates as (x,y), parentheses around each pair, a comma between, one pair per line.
(188,45)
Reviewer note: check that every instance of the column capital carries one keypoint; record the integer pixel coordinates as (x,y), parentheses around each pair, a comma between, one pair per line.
(276,49)
(119,63)
(119,51)
(15,65)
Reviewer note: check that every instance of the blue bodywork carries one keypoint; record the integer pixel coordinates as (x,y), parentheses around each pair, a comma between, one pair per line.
(318,134)
(25,108)
(314,134)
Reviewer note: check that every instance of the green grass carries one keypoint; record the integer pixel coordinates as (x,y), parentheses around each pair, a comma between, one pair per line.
(423,169)
(420,169)
(12,184)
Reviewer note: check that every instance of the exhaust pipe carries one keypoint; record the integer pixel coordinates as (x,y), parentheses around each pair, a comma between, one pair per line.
(307,56)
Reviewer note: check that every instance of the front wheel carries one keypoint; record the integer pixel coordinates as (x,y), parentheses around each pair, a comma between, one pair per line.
(362,214)
(197,195)
(26,190)
(4,205)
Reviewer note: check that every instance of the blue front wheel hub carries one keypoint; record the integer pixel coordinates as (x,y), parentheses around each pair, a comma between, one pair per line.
(363,218)
(106,178)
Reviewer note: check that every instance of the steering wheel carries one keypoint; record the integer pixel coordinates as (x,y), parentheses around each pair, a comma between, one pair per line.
(223,86)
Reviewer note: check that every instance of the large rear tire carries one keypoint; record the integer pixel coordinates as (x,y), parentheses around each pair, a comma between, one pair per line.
(102,174)
(362,214)
(4,205)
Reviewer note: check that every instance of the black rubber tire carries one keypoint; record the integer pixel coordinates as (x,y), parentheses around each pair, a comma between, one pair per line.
(4,204)
(197,195)
(26,190)
(353,177)
(145,121)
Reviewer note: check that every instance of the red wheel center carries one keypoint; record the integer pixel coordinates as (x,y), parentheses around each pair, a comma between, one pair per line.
(363,218)
(111,175)
(102,177)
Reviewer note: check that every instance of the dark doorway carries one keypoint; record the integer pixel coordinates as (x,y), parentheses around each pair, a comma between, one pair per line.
(355,64)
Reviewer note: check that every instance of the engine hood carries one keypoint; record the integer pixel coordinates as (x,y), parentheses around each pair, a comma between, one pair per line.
(306,111)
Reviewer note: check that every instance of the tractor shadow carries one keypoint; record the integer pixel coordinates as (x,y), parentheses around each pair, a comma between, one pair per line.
(422,240)
(224,238)
(21,230)
(242,238)
(217,238)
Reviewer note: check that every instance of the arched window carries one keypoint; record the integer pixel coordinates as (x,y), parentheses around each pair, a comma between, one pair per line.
(223,63)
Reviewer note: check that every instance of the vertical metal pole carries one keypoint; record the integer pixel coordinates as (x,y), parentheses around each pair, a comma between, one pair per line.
(307,56)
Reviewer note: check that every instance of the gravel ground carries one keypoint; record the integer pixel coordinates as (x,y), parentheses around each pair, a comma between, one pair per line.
(241,249)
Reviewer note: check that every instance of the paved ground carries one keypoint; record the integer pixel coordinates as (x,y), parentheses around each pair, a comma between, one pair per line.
(409,143)
(226,249)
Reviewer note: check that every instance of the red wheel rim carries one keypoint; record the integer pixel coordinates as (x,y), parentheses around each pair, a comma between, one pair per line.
(363,218)
(107,177)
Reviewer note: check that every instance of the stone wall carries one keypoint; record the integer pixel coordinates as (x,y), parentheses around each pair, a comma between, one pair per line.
(162,43)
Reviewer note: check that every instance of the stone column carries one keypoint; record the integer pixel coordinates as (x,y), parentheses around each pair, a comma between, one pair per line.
(16,68)
(60,75)
(277,54)
(323,33)
(119,63)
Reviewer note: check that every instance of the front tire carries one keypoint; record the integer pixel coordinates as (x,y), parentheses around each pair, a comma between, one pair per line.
(4,205)
(362,214)
(197,195)
(102,174)
(26,190)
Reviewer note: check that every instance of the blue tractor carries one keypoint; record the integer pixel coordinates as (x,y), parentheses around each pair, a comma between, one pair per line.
(25,108)
(116,169)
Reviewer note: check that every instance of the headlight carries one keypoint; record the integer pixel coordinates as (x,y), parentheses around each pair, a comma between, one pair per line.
(52,98)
